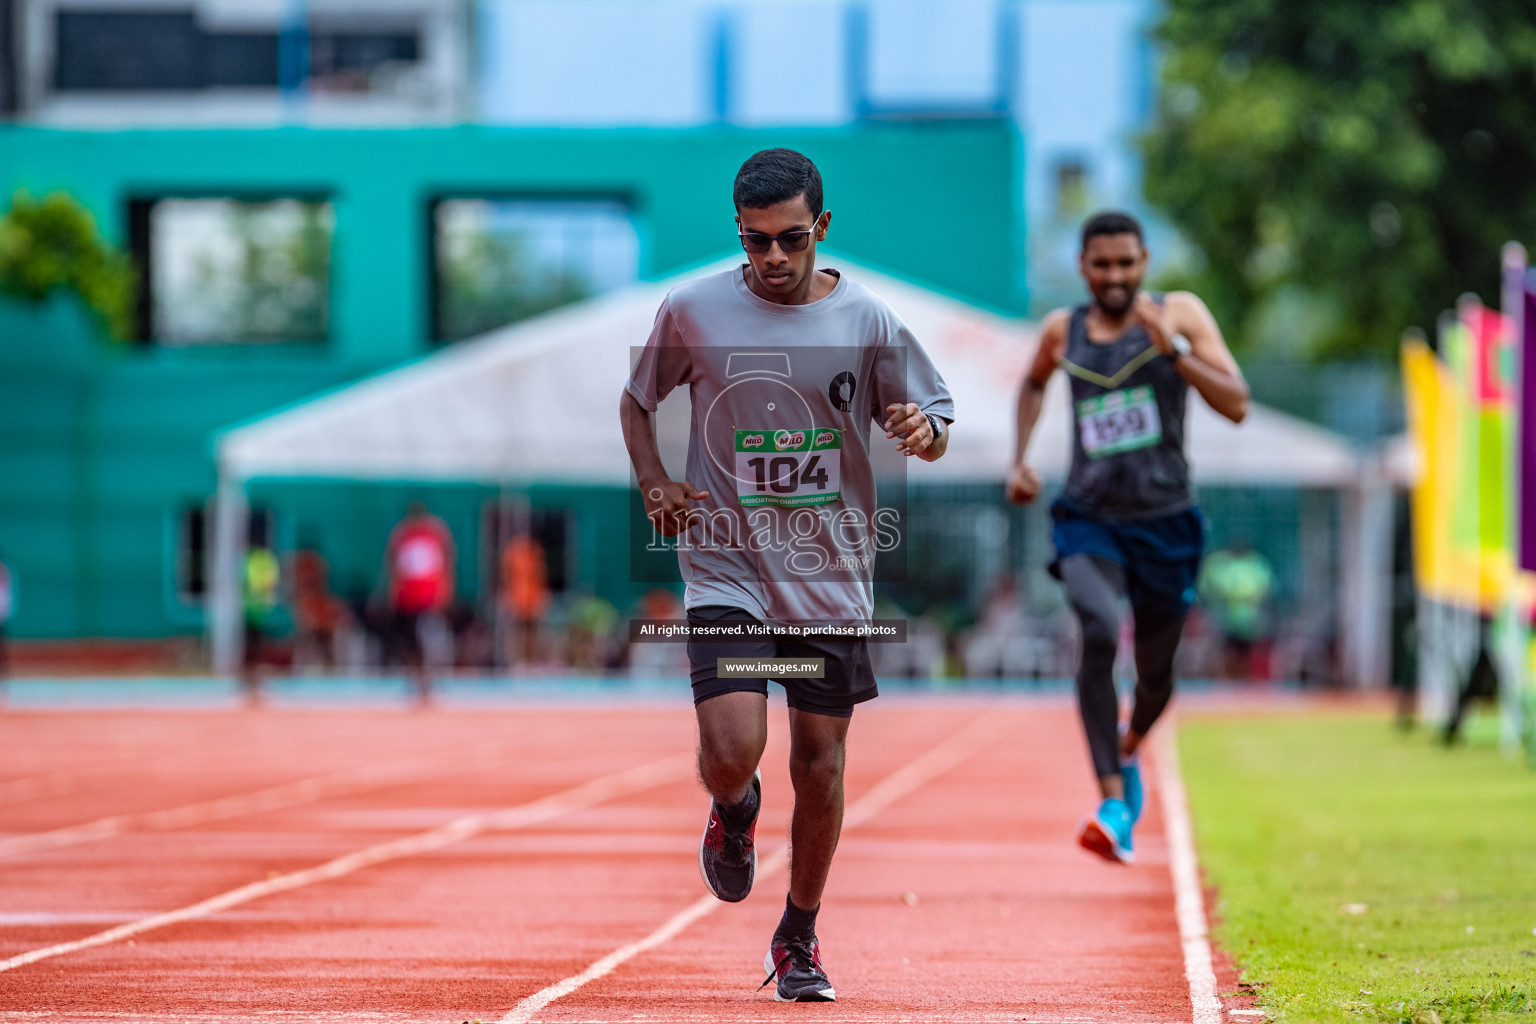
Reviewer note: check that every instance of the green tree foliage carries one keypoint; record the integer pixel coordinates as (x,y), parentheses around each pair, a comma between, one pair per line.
(489,280)
(52,243)
(1370,157)
(285,270)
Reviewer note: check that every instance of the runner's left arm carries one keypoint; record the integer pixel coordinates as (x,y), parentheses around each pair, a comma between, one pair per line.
(1209,367)
(907,388)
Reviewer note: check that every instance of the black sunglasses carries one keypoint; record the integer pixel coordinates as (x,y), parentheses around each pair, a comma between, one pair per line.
(757,243)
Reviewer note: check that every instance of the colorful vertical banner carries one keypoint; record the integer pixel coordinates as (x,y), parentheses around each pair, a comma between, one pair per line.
(1517,651)
(1489,430)
(1525,420)
(1430,391)
(1471,408)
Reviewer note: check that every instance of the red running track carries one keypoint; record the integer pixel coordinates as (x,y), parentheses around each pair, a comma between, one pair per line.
(957,893)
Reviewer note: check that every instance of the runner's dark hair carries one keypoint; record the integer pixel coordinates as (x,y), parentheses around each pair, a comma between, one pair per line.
(773,176)
(1111,222)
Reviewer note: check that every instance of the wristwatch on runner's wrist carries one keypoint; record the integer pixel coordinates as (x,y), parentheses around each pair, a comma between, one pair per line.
(936,424)
(1181,347)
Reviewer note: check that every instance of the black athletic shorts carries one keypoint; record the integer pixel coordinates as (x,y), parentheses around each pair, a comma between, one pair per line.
(1161,556)
(849,680)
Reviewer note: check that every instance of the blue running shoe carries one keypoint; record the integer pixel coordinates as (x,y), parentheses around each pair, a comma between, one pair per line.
(1108,832)
(1135,795)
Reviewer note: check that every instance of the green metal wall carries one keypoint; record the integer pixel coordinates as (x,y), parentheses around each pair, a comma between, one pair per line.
(102,446)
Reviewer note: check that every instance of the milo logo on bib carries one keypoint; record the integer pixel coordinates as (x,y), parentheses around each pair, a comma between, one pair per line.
(787,439)
(1119,421)
(800,466)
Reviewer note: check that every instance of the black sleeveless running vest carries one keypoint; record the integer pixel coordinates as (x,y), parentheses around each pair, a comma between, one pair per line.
(1127,412)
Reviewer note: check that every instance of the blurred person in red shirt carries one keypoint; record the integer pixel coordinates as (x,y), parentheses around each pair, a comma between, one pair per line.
(418,563)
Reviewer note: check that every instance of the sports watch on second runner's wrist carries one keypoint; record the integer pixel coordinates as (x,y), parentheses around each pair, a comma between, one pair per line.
(936,425)
(1181,347)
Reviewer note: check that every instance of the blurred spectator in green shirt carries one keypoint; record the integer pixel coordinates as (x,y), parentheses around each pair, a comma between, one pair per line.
(1235,585)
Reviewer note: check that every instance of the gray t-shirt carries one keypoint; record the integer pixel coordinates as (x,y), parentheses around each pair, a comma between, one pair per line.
(784,399)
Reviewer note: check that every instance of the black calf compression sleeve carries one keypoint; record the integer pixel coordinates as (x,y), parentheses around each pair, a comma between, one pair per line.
(1094,588)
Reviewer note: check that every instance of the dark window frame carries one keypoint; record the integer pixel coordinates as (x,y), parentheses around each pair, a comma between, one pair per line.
(193,551)
(1071,185)
(544,522)
(10,60)
(169,50)
(139,207)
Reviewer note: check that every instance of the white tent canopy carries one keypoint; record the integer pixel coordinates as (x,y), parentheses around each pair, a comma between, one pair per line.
(537,402)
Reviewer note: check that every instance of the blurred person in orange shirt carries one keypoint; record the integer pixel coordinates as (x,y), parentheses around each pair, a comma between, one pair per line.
(418,564)
(524,597)
(319,616)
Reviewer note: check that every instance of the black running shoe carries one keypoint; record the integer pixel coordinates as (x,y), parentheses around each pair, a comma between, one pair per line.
(796,963)
(727,858)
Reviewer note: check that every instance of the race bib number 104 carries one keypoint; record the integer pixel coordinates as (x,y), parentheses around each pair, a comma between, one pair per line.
(1119,421)
(789,467)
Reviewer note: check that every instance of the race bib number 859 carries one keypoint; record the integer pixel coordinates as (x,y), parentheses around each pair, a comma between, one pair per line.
(788,467)
(1119,421)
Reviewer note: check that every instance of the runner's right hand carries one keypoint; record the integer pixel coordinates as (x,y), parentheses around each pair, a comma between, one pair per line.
(1023,485)
(666,503)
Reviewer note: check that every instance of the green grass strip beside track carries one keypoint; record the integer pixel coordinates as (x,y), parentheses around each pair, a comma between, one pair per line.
(1364,874)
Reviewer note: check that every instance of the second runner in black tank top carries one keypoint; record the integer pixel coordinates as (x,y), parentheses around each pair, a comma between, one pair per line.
(1128,404)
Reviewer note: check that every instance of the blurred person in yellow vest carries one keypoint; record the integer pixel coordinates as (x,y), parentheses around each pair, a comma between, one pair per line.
(524,597)
(1235,585)
(259,580)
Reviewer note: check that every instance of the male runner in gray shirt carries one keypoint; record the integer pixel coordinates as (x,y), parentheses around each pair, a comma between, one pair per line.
(788,367)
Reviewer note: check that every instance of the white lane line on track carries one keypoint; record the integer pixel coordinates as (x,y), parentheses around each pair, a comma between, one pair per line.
(1189,899)
(887,791)
(588,794)
(272,798)
(24,918)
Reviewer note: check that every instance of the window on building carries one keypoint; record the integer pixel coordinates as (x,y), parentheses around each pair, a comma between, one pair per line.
(497,261)
(232,270)
(170,50)
(10,59)
(156,50)
(194,548)
(1071,188)
(358,62)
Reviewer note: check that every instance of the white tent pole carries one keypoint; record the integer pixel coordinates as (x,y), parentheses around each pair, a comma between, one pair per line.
(229,543)
(1367,572)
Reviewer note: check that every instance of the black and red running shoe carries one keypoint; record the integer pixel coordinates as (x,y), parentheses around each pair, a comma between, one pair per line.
(727,858)
(796,963)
